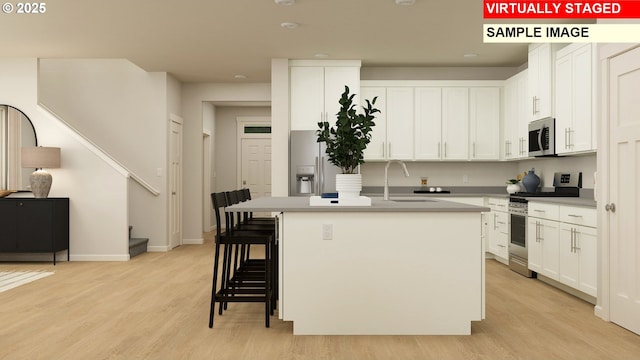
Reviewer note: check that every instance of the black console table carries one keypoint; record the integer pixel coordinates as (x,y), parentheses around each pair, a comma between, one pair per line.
(29,225)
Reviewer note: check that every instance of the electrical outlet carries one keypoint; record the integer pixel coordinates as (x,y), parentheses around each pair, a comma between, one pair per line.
(465,179)
(327,232)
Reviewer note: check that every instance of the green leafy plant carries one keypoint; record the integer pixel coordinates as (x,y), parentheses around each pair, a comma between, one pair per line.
(513,181)
(347,140)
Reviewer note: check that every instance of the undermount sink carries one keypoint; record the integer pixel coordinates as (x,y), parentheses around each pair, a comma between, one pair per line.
(412,200)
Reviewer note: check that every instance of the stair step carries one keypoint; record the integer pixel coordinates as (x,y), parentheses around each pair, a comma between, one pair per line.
(137,246)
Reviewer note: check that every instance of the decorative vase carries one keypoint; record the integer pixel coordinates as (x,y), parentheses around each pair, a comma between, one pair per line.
(348,186)
(514,188)
(531,181)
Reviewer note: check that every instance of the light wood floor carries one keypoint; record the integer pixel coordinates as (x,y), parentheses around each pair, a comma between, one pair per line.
(156,306)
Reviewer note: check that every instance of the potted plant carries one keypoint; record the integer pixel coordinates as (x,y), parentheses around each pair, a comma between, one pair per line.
(347,140)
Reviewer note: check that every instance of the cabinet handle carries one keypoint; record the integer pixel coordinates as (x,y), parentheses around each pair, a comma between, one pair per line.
(538,210)
(445,149)
(389,148)
(538,231)
(610,207)
(566,140)
(507,146)
(494,221)
(522,149)
(573,240)
(572,215)
(474,149)
(501,246)
(439,149)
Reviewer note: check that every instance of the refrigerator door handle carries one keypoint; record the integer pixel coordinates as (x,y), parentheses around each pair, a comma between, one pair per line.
(318,177)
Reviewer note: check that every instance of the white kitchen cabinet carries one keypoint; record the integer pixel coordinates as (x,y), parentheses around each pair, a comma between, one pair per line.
(574,94)
(428,123)
(400,120)
(578,248)
(455,123)
(540,81)
(543,246)
(376,150)
(392,136)
(315,88)
(498,229)
(543,239)
(515,121)
(484,123)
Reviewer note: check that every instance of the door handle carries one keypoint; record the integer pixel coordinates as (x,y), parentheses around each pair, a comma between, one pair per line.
(610,207)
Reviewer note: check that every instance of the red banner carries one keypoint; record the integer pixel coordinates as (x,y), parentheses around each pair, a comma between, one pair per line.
(586,9)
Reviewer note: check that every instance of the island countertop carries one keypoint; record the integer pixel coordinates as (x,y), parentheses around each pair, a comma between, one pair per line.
(301,204)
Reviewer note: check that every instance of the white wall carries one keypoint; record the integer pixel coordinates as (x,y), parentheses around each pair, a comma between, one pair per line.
(437,73)
(123,110)
(546,166)
(226,151)
(96,187)
(194,96)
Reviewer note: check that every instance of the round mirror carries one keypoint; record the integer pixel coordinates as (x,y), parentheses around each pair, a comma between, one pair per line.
(16,131)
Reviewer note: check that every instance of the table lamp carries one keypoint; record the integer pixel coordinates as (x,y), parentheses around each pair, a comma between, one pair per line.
(40,158)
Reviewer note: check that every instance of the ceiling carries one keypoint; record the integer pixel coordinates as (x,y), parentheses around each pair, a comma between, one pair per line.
(214,40)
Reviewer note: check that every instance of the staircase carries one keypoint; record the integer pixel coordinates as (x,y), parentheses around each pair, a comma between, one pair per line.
(137,246)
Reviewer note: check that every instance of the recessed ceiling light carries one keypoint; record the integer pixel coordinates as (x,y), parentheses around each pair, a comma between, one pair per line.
(321,55)
(470,55)
(285,2)
(289,25)
(240,76)
(405,2)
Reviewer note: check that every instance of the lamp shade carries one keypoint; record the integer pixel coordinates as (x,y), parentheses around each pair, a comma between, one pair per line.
(40,157)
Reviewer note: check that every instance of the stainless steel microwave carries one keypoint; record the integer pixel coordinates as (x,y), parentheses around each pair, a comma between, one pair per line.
(542,139)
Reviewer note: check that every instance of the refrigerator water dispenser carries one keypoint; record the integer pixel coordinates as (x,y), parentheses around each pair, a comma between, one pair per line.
(305,179)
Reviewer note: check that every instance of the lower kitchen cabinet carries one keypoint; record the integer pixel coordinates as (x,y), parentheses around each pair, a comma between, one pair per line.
(31,225)
(543,246)
(498,229)
(578,258)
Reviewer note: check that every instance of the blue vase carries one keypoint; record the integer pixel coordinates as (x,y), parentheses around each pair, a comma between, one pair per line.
(531,181)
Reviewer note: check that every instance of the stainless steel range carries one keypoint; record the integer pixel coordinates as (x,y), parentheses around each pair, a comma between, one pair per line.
(565,185)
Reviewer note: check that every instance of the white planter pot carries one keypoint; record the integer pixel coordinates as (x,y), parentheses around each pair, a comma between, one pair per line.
(513,188)
(348,185)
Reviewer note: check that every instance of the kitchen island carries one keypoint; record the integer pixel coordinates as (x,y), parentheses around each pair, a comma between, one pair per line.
(392,268)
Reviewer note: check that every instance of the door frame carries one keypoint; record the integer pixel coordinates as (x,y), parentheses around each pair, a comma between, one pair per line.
(605,53)
(241,122)
(175,120)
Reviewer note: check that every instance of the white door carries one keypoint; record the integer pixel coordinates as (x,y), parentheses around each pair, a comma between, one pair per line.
(256,166)
(624,187)
(175,184)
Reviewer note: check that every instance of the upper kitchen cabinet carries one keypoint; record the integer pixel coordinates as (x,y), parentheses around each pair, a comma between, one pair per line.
(541,58)
(315,88)
(515,121)
(392,136)
(428,123)
(484,123)
(455,123)
(574,94)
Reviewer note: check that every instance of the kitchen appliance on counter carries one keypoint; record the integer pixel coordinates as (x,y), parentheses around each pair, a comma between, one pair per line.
(542,139)
(565,185)
(310,172)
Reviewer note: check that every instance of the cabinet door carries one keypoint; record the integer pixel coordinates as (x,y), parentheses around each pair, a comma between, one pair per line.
(586,242)
(569,258)
(564,103)
(540,76)
(484,121)
(376,150)
(8,221)
(400,134)
(510,119)
(580,137)
(35,226)
(306,97)
(455,123)
(428,123)
(335,79)
(534,245)
(549,236)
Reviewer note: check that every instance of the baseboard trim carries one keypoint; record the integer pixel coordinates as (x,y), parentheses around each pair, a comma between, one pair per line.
(157,248)
(46,257)
(112,257)
(193,241)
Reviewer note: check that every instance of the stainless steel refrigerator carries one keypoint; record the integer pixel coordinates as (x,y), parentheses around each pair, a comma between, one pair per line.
(310,172)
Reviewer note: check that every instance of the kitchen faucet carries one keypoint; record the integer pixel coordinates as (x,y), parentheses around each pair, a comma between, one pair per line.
(386,176)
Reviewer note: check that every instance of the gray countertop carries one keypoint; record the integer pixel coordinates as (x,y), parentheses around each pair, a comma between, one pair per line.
(301,204)
(585,199)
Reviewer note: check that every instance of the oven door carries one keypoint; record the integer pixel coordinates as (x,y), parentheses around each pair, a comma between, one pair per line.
(518,252)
